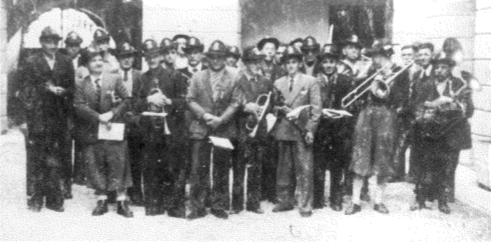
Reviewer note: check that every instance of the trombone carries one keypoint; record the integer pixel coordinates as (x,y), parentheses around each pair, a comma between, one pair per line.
(259,115)
(380,88)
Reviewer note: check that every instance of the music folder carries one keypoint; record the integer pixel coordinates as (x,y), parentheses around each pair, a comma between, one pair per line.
(113,131)
(223,143)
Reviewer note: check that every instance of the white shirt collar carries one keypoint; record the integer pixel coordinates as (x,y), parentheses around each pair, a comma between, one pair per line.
(94,78)
(198,67)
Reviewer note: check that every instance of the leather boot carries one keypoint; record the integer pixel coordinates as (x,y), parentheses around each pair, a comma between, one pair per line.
(352,209)
(100,209)
(124,210)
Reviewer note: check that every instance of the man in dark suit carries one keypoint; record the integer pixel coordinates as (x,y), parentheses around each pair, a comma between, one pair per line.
(254,147)
(101,99)
(443,107)
(164,165)
(295,136)
(310,50)
(268,46)
(213,101)
(332,145)
(132,82)
(47,92)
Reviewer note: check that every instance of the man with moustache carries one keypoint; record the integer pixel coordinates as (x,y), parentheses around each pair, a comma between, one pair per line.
(169,52)
(295,137)
(47,92)
(132,82)
(180,41)
(332,144)
(101,99)
(213,101)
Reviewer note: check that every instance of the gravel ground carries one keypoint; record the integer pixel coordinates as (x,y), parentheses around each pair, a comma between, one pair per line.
(76,223)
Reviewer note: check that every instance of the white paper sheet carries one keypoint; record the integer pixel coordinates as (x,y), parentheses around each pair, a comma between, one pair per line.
(115,132)
(221,142)
(335,113)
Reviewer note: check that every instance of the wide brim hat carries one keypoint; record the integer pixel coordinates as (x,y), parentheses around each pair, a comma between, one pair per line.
(88,53)
(50,33)
(101,35)
(126,50)
(217,48)
(353,40)
(265,40)
(73,38)
(329,51)
(291,52)
(150,48)
(251,54)
(167,44)
(310,43)
(443,58)
(233,51)
(380,47)
(179,36)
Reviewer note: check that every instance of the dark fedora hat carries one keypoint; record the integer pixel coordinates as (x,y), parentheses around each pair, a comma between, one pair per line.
(268,39)
(233,51)
(101,35)
(73,38)
(252,53)
(126,49)
(167,44)
(193,44)
(49,33)
(310,43)
(291,52)
(443,58)
(180,36)
(329,51)
(217,48)
(150,47)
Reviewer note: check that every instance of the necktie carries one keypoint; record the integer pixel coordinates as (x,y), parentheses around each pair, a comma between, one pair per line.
(125,78)
(195,70)
(98,90)
(291,84)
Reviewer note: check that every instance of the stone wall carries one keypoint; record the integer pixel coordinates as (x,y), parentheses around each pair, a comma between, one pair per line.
(3,68)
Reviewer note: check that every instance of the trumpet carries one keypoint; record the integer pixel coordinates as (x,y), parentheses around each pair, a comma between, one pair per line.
(160,110)
(263,101)
(375,83)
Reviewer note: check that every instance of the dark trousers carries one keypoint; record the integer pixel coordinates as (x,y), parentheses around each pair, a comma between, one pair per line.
(201,186)
(79,169)
(295,175)
(434,170)
(401,145)
(44,168)
(251,155)
(135,146)
(269,171)
(67,166)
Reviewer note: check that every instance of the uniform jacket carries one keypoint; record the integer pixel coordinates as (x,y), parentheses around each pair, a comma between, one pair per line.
(173,88)
(88,110)
(200,101)
(305,91)
(459,136)
(47,112)
(131,116)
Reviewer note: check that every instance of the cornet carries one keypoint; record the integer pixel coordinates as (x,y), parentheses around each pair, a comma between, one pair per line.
(263,101)
(161,110)
(375,83)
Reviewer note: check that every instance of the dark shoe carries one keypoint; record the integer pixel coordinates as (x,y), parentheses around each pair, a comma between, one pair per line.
(59,209)
(35,204)
(100,209)
(282,208)
(176,213)
(336,207)
(396,179)
(352,209)
(124,210)
(235,211)
(443,207)
(219,213)
(197,214)
(256,210)
(136,200)
(306,214)
(380,208)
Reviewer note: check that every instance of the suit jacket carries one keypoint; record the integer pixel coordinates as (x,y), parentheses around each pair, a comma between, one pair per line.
(131,117)
(200,101)
(88,110)
(188,74)
(305,91)
(47,112)
(173,88)
(459,136)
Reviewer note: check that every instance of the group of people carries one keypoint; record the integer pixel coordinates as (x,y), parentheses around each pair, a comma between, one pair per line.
(284,114)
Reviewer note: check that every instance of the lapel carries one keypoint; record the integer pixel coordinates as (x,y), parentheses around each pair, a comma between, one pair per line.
(207,84)
(297,86)
(90,90)
(44,64)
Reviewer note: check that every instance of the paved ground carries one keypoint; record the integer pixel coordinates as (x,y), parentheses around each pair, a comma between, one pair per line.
(76,223)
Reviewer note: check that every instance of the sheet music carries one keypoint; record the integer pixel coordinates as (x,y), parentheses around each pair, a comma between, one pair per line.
(221,142)
(162,114)
(335,113)
(115,132)
(295,112)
